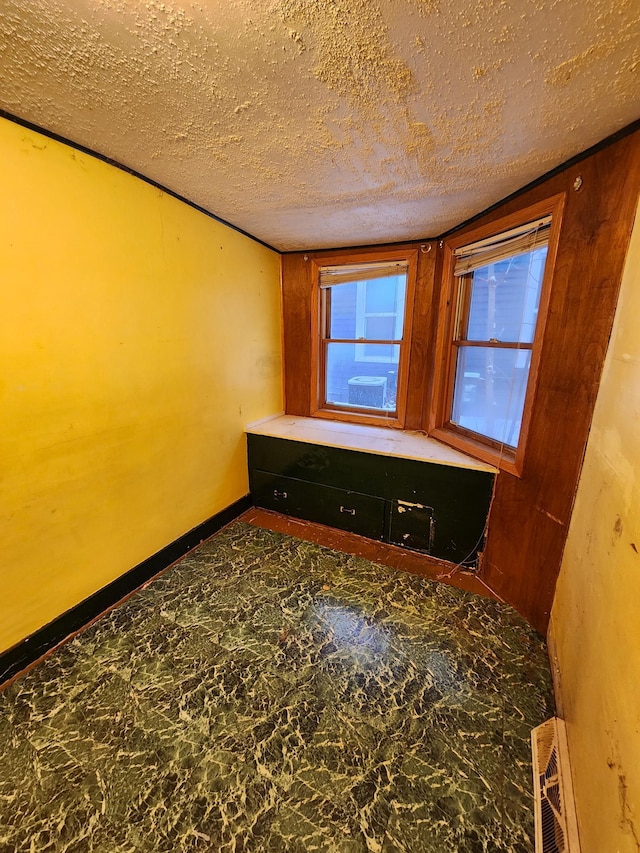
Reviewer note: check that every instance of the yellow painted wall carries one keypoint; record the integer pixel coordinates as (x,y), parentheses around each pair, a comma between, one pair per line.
(137,336)
(595,622)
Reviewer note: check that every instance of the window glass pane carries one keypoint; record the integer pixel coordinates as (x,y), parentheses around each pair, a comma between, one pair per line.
(342,319)
(380,328)
(385,295)
(505,298)
(356,307)
(490,390)
(364,379)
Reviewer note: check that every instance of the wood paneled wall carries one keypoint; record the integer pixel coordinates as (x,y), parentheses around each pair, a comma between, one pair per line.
(296,331)
(530,514)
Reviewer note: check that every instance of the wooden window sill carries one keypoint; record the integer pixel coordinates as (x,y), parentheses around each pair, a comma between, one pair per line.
(502,460)
(381,440)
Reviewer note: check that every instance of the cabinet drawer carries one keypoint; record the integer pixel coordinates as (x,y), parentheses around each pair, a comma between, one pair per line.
(412,525)
(347,510)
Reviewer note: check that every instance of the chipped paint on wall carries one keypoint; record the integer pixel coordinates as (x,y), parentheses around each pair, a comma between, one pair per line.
(314,123)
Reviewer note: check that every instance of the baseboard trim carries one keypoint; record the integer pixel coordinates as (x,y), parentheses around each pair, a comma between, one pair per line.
(25,653)
(371,549)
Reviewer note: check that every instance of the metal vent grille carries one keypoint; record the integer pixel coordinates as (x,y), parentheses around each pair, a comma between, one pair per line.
(556,826)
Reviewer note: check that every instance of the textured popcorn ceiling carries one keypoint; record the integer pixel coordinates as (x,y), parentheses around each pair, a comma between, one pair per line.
(315,123)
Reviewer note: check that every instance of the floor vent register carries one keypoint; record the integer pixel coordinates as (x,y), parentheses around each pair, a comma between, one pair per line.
(555,816)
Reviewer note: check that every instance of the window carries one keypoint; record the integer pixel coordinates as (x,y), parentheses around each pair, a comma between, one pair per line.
(498,296)
(362,337)
(496,300)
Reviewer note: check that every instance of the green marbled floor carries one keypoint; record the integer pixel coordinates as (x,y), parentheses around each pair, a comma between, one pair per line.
(267,694)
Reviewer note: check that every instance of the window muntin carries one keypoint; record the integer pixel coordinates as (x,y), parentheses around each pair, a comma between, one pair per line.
(362,319)
(498,288)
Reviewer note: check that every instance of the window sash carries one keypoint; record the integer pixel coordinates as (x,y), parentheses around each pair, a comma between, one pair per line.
(377,411)
(498,422)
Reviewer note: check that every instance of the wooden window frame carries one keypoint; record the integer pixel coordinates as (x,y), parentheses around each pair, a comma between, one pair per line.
(319,407)
(440,425)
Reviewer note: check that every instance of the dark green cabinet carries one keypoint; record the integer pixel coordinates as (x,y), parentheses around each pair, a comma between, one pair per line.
(430,507)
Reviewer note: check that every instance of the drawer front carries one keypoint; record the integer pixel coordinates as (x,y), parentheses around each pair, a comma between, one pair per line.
(346,510)
(412,525)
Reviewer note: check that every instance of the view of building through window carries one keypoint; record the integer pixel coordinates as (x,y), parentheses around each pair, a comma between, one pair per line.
(498,309)
(492,313)
(363,320)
